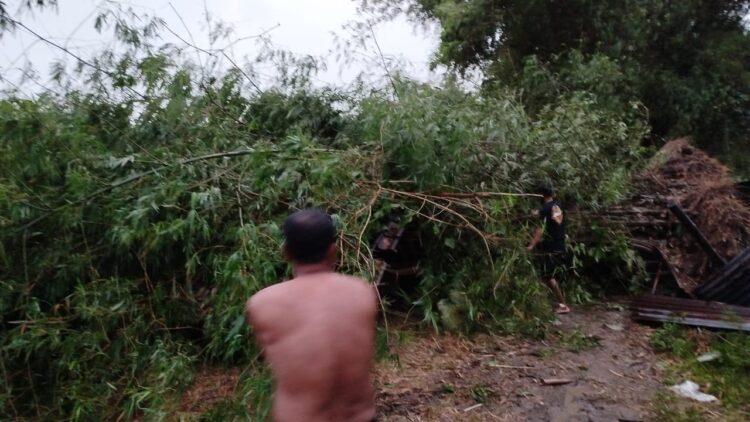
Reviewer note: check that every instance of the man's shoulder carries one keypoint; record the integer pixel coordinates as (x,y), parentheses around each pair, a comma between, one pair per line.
(357,288)
(355,282)
(266,294)
(551,206)
(351,278)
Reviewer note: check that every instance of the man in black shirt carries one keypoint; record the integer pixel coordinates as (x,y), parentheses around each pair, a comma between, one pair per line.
(551,242)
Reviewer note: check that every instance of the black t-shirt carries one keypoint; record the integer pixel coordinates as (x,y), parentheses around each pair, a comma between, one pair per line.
(553,239)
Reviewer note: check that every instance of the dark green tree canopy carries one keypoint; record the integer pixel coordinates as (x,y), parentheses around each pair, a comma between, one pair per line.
(672,33)
(687,61)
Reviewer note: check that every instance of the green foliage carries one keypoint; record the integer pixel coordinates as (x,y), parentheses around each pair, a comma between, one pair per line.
(577,341)
(726,377)
(251,401)
(447,388)
(686,61)
(387,343)
(666,407)
(481,393)
(274,114)
(672,338)
(602,256)
(492,143)
(138,216)
(118,290)
(7,21)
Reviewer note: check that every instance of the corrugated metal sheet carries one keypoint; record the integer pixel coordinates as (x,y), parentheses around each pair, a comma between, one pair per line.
(730,283)
(690,312)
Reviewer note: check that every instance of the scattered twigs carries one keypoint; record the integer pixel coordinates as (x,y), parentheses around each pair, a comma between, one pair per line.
(368,207)
(483,194)
(470,408)
(556,381)
(511,366)
(8,388)
(656,278)
(616,373)
(382,58)
(33,388)
(444,203)
(456,214)
(72,54)
(25,258)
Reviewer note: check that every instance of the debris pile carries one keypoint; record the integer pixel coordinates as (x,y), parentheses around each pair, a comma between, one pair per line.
(730,283)
(690,216)
(685,176)
(690,312)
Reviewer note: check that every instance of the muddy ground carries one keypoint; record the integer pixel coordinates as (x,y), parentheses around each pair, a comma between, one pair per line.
(612,371)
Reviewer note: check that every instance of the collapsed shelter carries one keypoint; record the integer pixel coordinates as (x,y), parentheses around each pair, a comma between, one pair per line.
(689,215)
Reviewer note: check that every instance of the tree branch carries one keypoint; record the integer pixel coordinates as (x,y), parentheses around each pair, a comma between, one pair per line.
(72,54)
(133,178)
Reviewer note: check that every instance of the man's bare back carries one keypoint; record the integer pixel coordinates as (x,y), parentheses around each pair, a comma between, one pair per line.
(317,333)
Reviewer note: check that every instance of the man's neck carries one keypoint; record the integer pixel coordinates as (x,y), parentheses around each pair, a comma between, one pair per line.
(548,200)
(301,270)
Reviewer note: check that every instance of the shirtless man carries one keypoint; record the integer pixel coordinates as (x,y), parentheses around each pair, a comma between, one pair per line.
(317,331)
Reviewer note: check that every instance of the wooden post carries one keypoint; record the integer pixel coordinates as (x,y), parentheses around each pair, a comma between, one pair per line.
(693,229)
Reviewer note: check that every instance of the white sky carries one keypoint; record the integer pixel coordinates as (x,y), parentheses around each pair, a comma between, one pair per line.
(300,26)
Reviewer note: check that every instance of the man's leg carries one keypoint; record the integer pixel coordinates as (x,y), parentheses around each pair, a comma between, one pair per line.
(549,266)
(556,264)
(555,287)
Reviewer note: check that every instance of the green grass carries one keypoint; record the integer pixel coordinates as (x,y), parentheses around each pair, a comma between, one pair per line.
(667,408)
(385,341)
(481,393)
(577,341)
(727,378)
(578,292)
(448,388)
(251,402)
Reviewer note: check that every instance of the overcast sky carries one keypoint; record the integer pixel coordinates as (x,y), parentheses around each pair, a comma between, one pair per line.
(301,26)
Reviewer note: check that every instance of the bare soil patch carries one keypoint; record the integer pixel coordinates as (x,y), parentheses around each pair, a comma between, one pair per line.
(212,385)
(500,378)
(445,378)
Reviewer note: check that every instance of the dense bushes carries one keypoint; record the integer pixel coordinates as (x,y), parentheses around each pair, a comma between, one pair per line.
(130,240)
(138,214)
(687,61)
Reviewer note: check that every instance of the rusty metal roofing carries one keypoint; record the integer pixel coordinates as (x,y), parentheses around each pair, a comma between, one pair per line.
(690,312)
(730,283)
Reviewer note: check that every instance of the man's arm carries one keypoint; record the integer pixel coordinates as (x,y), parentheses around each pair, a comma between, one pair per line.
(258,327)
(535,239)
(249,305)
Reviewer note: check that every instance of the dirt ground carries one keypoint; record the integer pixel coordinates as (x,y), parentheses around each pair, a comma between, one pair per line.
(492,378)
(613,374)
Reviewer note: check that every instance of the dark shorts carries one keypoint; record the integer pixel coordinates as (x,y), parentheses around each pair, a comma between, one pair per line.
(552,264)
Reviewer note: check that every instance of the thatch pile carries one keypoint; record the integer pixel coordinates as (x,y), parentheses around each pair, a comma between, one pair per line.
(701,185)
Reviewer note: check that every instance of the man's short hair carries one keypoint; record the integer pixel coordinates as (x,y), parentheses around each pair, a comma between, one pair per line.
(308,234)
(545,191)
